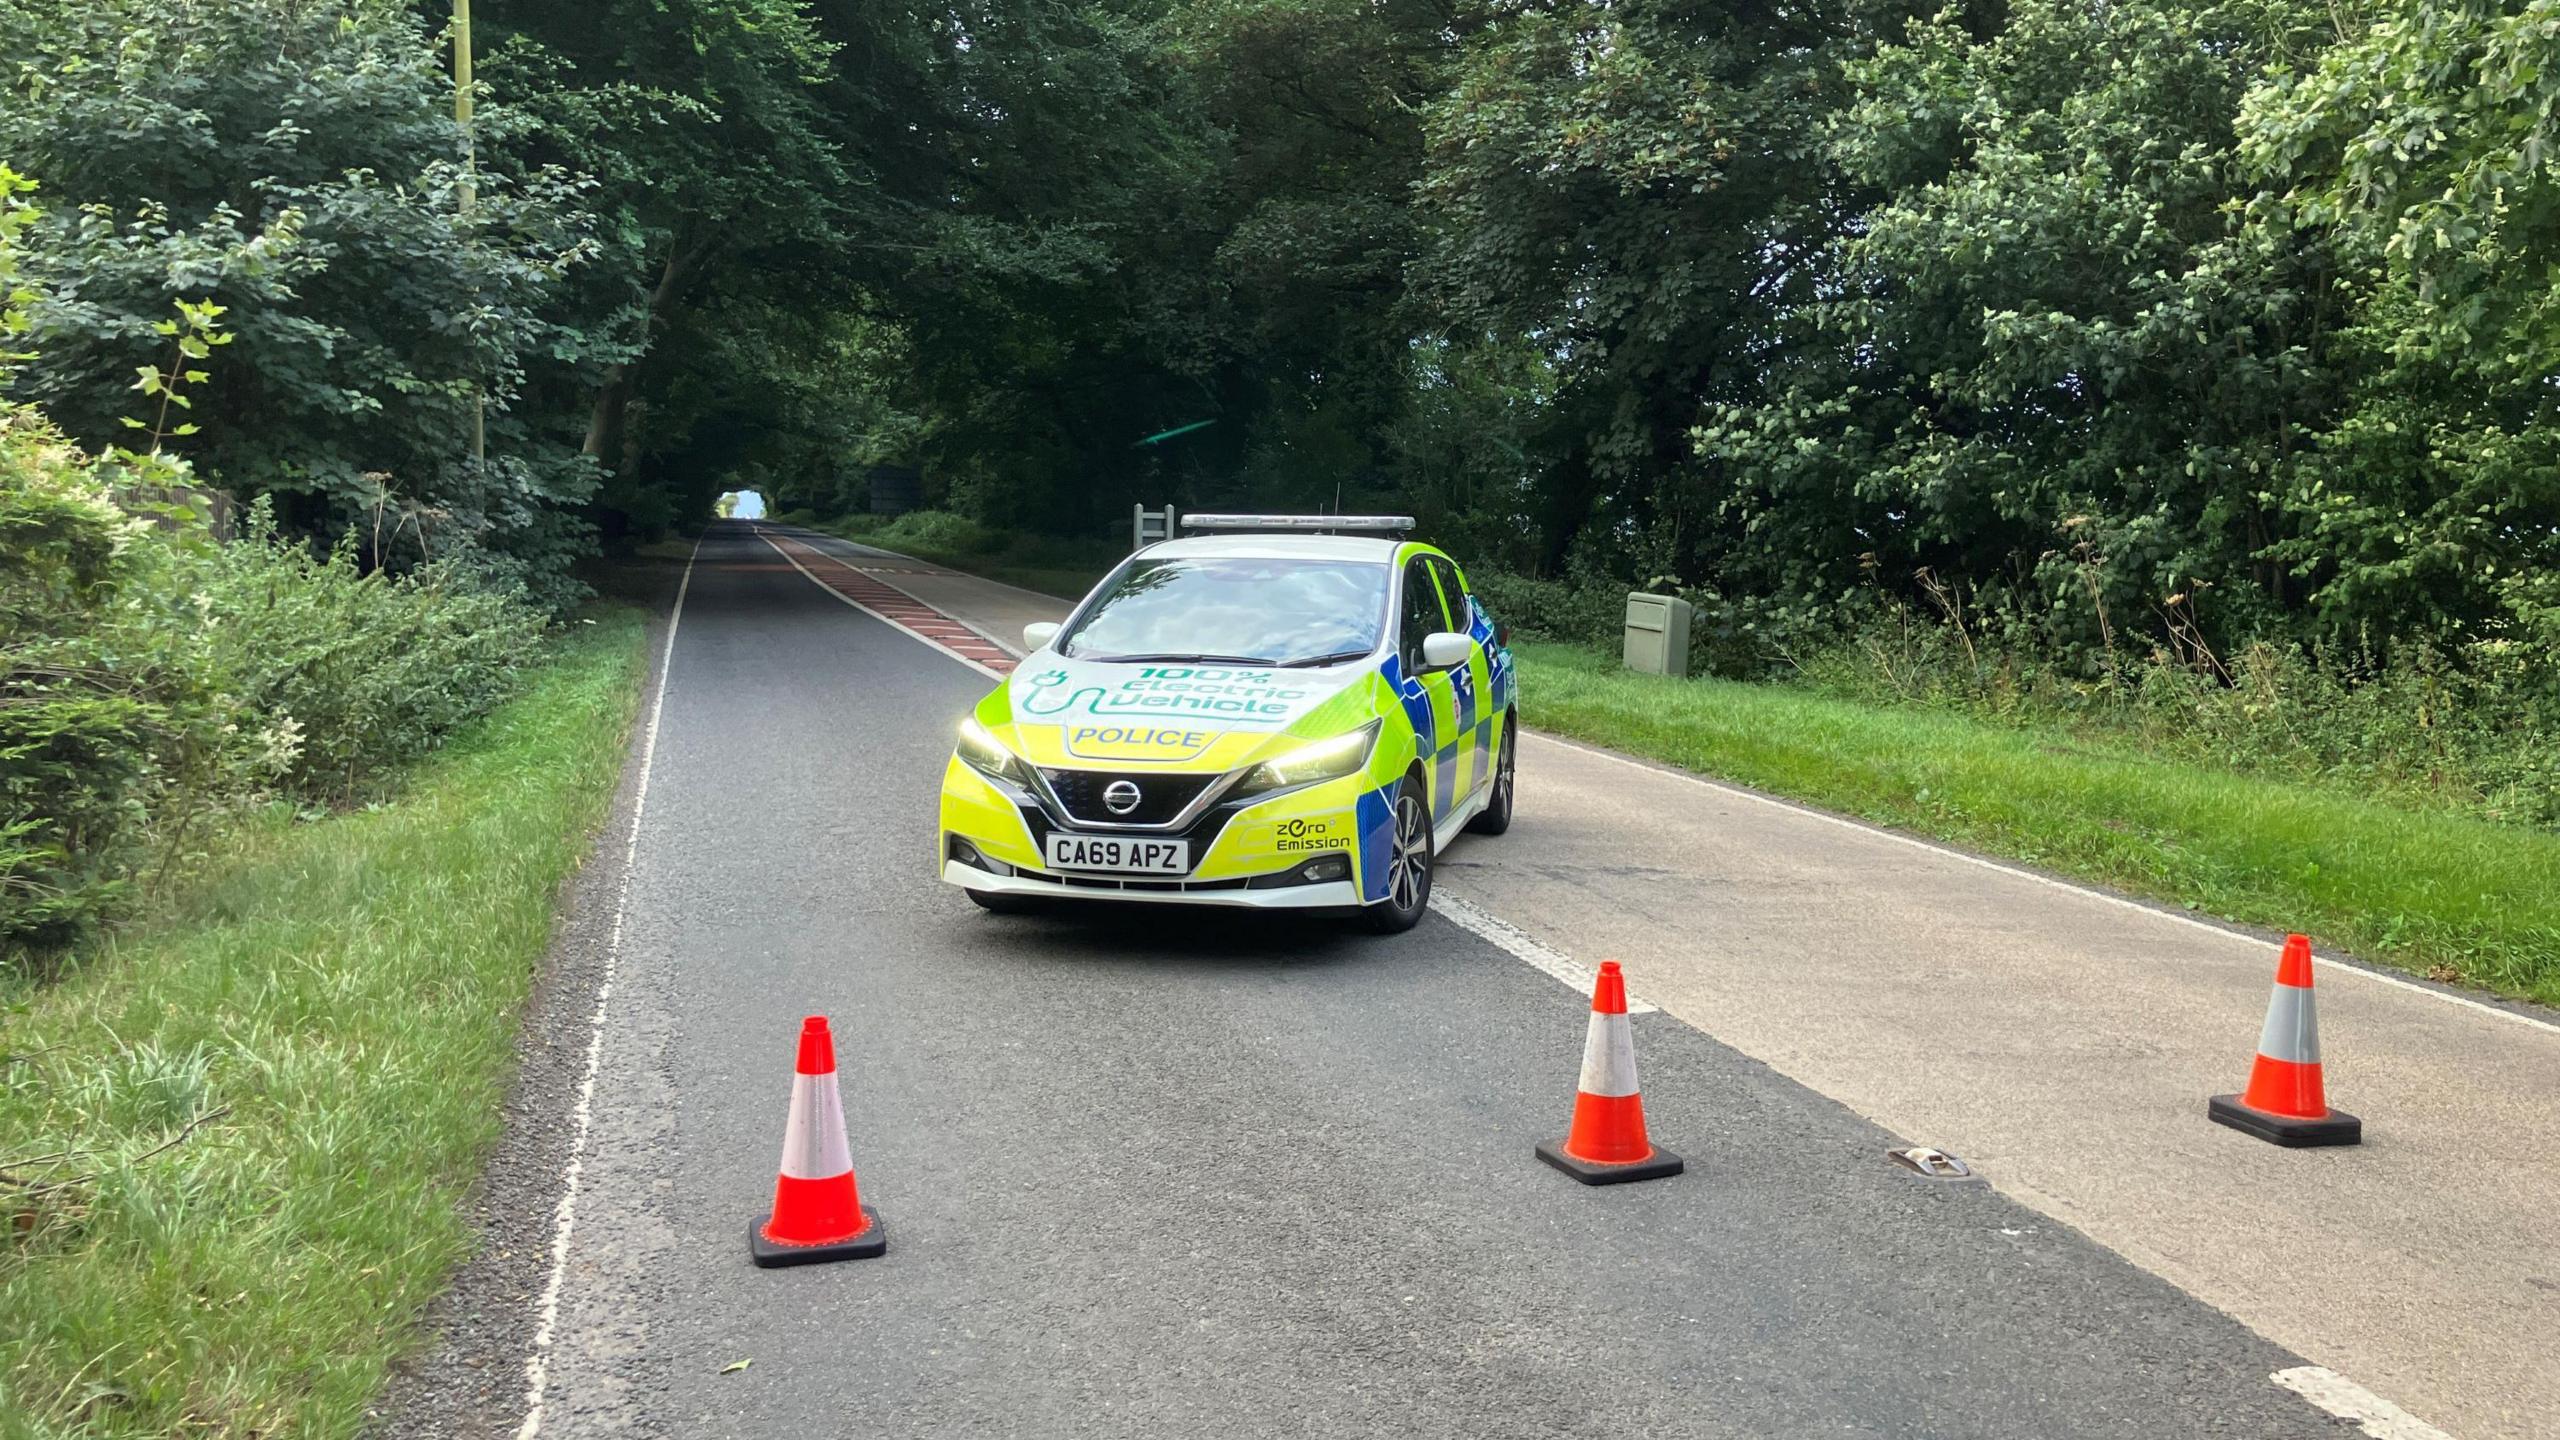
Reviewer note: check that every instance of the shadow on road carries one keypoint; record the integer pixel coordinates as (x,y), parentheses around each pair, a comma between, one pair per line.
(1154,934)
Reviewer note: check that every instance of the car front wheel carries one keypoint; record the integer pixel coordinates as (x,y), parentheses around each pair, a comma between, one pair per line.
(1408,864)
(1495,817)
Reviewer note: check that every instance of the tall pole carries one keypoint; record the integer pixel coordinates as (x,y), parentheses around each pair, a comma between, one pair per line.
(470,194)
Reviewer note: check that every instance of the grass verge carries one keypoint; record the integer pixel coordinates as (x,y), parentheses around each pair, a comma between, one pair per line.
(332,1008)
(2440,894)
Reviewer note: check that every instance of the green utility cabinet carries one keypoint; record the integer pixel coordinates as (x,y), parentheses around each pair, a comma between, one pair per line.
(1658,634)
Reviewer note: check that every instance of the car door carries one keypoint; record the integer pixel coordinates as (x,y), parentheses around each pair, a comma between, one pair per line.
(1469,693)
(1430,697)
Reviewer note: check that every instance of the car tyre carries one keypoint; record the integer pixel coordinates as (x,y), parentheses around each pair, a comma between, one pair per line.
(1495,817)
(1408,864)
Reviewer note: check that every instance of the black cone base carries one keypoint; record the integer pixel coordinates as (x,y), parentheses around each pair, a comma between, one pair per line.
(2335,1128)
(874,1240)
(1652,1167)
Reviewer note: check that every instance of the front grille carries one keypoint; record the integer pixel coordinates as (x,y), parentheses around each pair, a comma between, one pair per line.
(1160,797)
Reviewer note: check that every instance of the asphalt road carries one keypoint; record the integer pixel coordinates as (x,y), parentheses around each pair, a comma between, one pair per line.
(1151,1174)
(2059,1037)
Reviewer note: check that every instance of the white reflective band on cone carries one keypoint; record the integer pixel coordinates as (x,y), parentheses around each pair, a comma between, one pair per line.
(1609,1056)
(813,1145)
(2293,1027)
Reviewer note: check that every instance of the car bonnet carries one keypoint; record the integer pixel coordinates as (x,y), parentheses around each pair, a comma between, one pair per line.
(1182,716)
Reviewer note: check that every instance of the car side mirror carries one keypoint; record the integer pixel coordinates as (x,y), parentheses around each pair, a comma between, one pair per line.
(1445,650)
(1038,633)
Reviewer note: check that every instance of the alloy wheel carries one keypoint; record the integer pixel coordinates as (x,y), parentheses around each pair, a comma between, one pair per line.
(1405,875)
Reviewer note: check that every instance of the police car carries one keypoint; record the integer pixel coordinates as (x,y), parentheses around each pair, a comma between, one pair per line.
(1276,711)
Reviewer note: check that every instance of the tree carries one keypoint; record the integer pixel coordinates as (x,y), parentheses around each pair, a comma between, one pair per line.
(1638,190)
(744,154)
(297,165)
(2424,142)
(2046,370)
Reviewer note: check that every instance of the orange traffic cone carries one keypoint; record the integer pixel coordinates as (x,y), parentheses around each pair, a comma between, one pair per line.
(1607,1145)
(2285,1104)
(817,1213)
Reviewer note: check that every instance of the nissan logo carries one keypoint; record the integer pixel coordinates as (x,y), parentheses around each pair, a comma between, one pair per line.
(1120,797)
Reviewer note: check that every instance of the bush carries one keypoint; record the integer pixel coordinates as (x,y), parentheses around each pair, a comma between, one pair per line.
(2476,730)
(151,680)
(1540,609)
(940,531)
(1748,638)
(358,672)
(98,713)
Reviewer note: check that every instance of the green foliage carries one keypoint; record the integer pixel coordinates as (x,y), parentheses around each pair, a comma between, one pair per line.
(100,707)
(151,681)
(336,1002)
(2476,733)
(17,215)
(106,694)
(1639,192)
(2045,369)
(937,530)
(296,166)
(2422,142)
(355,673)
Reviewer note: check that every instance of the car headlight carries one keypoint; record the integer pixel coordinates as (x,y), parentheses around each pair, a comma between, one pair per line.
(1346,754)
(983,752)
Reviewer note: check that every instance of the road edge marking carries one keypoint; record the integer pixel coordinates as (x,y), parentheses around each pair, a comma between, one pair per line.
(564,1217)
(2210,927)
(2348,1400)
(917,636)
(1503,935)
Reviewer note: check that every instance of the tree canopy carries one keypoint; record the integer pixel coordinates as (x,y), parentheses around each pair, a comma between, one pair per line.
(2145,320)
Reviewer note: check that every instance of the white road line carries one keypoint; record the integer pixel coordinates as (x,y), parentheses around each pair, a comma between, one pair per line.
(2336,967)
(917,636)
(1508,936)
(537,1365)
(2348,1400)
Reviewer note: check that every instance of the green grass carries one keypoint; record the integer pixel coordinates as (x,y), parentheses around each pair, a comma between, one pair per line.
(2436,893)
(337,1002)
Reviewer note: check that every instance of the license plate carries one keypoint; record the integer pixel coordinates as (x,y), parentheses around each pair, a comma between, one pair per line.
(1119,852)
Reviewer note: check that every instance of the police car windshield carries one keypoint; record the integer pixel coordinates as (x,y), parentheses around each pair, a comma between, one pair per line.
(1237,610)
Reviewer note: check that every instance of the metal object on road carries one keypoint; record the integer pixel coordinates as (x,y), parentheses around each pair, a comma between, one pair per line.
(818,1213)
(1657,637)
(1936,1164)
(2285,1103)
(1607,1144)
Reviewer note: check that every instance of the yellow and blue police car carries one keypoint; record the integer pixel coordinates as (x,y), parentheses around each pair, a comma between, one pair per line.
(1287,712)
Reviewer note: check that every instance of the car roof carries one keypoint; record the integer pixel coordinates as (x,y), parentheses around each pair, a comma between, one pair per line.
(1377,550)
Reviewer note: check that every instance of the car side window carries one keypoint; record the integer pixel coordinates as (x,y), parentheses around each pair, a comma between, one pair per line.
(1422,614)
(1454,594)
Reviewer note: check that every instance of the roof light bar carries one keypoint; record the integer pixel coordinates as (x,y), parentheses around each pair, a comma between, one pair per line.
(1324,524)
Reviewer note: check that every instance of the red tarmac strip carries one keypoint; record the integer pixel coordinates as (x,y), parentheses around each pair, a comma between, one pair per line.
(894,605)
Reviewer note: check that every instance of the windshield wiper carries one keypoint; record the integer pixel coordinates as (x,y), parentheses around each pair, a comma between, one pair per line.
(1184,658)
(1313,661)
